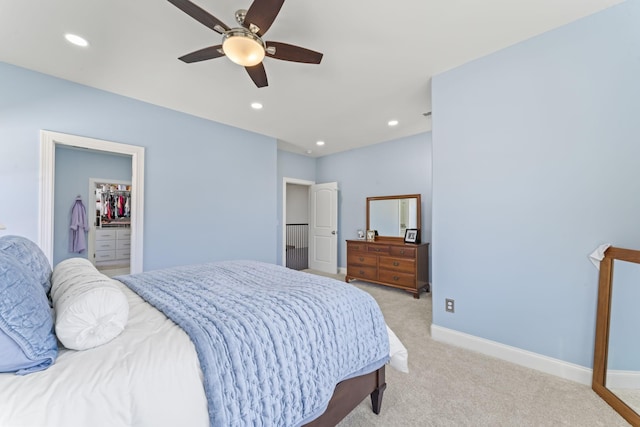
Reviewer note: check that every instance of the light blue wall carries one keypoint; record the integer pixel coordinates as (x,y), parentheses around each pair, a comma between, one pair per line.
(536,162)
(73,169)
(402,166)
(209,188)
(291,165)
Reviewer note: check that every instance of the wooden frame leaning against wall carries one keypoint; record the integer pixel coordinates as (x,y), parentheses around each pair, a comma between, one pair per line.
(601,348)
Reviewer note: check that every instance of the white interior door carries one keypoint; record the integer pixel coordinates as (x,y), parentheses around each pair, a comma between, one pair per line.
(323,233)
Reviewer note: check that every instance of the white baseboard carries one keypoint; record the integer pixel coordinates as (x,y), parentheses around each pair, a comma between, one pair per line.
(342,270)
(515,355)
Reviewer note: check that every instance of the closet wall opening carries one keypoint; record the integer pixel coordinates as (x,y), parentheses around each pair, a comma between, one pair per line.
(110,231)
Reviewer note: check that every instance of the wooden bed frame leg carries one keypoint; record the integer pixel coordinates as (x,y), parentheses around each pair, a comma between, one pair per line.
(376,399)
(376,395)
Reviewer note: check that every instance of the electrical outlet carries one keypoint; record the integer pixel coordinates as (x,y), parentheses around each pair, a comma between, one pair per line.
(449,305)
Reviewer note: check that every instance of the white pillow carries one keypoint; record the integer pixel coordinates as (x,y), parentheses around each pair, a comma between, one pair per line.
(397,352)
(90,308)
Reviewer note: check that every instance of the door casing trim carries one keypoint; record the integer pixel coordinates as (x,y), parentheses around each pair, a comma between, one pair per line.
(48,142)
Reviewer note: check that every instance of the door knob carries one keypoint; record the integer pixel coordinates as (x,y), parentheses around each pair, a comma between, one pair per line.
(333,232)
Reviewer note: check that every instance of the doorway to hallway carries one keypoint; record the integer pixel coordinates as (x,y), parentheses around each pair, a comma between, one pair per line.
(310,225)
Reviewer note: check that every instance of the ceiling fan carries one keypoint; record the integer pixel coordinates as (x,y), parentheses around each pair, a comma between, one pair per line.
(244,44)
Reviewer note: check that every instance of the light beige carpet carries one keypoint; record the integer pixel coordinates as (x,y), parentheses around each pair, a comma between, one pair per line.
(450,386)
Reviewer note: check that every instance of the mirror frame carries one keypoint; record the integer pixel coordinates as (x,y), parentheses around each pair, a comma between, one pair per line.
(603,318)
(404,196)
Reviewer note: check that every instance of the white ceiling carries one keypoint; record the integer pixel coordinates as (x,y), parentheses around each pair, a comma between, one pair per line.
(379,57)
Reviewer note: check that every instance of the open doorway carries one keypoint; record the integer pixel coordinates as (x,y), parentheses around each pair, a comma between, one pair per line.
(48,142)
(295,210)
(296,240)
(310,211)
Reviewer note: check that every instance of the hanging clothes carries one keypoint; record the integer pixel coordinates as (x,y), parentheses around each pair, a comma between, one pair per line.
(121,206)
(127,206)
(78,227)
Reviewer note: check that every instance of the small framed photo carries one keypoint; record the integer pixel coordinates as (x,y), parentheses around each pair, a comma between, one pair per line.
(371,234)
(412,235)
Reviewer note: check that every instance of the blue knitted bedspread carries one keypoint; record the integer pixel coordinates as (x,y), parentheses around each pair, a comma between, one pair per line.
(272,342)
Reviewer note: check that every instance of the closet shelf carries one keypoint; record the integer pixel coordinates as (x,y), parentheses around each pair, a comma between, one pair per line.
(115,224)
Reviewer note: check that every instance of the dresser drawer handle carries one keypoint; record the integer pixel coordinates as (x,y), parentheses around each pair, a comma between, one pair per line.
(396,278)
(396,263)
(361,259)
(377,250)
(361,273)
(402,251)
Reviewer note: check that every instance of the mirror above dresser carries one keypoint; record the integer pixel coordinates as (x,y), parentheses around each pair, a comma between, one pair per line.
(391,216)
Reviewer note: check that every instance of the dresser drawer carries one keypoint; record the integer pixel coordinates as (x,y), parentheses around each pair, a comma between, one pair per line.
(123,233)
(123,244)
(356,247)
(361,259)
(398,264)
(102,234)
(362,272)
(403,251)
(397,278)
(123,254)
(105,256)
(378,249)
(105,245)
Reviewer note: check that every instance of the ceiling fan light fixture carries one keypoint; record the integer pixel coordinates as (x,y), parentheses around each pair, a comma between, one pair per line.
(243,47)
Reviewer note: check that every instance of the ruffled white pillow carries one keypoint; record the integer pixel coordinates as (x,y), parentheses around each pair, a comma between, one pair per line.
(397,352)
(90,308)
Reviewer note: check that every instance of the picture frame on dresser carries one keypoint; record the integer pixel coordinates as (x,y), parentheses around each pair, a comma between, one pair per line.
(412,235)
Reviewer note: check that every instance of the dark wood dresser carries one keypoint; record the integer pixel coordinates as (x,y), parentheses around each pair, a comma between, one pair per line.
(392,263)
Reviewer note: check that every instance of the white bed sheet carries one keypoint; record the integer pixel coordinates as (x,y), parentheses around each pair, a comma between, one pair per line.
(148,376)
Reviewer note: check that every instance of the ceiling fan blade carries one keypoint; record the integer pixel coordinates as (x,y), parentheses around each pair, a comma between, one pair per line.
(262,13)
(199,14)
(258,75)
(289,52)
(203,54)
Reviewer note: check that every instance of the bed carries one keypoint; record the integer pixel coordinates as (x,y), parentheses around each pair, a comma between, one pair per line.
(227,343)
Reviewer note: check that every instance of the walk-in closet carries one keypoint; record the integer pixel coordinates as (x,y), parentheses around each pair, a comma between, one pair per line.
(110,234)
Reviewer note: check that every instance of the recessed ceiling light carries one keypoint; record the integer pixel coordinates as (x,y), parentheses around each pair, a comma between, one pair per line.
(77,40)
(320,143)
(256,105)
(393,123)
(309,151)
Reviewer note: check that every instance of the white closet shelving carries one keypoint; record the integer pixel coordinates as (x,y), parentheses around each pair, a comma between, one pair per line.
(112,223)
